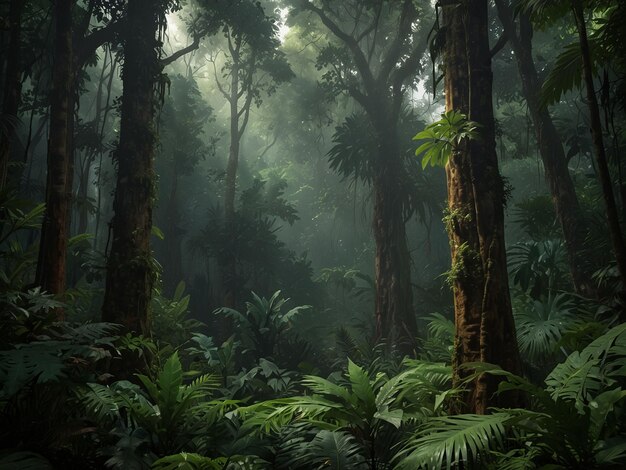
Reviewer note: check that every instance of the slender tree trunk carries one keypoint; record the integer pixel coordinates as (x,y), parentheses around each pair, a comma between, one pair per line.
(107,107)
(12,87)
(485,330)
(130,273)
(85,170)
(51,266)
(229,269)
(564,197)
(173,268)
(395,318)
(604,174)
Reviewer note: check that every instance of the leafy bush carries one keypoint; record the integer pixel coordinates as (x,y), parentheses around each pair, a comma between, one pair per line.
(577,421)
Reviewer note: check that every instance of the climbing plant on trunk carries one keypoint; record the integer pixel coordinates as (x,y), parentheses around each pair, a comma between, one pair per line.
(130,270)
(485,330)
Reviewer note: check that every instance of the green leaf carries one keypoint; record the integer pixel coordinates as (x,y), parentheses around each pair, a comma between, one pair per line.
(157,232)
(361,386)
(393,417)
(453,440)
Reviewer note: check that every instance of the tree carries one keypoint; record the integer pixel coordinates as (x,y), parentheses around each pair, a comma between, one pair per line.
(567,207)
(130,272)
(183,118)
(485,330)
(129,265)
(70,56)
(12,87)
(612,214)
(374,59)
(606,43)
(253,65)
(53,245)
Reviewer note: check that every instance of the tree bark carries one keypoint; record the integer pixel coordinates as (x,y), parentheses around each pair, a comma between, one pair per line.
(485,330)
(612,214)
(51,269)
(566,205)
(395,319)
(229,268)
(381,93)
(130,273)
(12,86)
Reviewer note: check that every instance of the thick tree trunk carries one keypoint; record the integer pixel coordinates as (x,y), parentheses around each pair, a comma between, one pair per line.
(51,266)
(485,330)
(12,87)
(395,318)
(604,174)
(564,197)
(129,266)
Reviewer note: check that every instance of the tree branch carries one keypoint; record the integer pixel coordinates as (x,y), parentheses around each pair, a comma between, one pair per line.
(217,81)
(178,54)
(499,45)
(95,39)
(393,54)
(357,54)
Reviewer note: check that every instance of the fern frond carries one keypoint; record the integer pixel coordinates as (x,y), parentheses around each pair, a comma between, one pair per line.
(187,461)
(454,440)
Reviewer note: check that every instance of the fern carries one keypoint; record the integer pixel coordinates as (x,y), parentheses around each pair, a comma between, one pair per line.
(189,461)
(450,441)
(334,450)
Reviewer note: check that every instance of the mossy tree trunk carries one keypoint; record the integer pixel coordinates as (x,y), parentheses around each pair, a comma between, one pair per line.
(129,265)
(485,330)
(51,265)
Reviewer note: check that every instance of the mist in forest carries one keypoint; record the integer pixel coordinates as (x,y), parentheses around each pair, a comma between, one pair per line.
(306,234)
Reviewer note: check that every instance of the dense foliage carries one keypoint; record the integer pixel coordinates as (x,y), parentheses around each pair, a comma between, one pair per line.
(250,234)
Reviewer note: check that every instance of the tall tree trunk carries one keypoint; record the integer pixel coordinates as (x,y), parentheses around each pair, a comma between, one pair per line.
(564,197)
(107,108)
(604,174)
(89,158)
(129,265)
(395,318)
(51,266)
(173,267)
(229,268)
(12,87)
(485,330)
